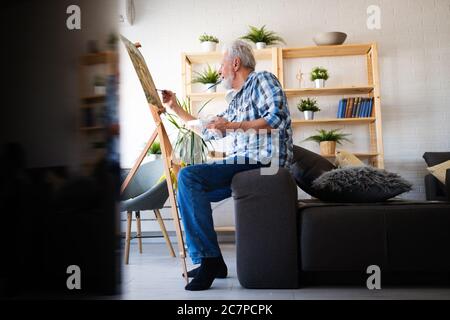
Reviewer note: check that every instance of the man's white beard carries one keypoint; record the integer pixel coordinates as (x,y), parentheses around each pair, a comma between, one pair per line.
(227,83)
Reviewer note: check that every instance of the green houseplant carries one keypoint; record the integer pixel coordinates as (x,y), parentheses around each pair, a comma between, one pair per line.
(208,42)
(319,75)
(262,37)
(155,150)
(328,140)
(112,41)
(208,77)
(308,107)
(189,147)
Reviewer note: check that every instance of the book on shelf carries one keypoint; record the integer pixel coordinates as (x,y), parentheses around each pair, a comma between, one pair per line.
(355,107)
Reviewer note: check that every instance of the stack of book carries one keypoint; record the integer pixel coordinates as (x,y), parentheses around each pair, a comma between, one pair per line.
(357,107)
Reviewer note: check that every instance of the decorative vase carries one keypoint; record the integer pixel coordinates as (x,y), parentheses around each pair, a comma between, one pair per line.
(209,46)
(328,148)
(309,115)
(210,88)
(320,83)
(260,45)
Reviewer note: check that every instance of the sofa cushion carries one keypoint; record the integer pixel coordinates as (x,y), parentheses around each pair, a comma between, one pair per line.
(308,166)
(359,184)
(434,158)
(347,159)
(440,170)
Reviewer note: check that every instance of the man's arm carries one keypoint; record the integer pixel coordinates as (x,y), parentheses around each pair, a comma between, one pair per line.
(223,125)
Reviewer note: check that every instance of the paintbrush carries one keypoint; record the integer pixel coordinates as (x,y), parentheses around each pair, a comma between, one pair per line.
(214,85)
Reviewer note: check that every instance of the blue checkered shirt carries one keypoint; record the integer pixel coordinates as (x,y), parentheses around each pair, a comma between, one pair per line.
(261,96)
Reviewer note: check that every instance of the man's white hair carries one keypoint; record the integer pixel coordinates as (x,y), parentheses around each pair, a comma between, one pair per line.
(243,51)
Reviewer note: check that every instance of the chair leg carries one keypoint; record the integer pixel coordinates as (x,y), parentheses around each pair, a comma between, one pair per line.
(128,237)
(139,230)
(164,232)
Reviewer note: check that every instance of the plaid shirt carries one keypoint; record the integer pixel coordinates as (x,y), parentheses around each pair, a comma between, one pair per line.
(261,96)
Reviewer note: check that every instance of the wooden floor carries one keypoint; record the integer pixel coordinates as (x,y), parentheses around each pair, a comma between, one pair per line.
(155,275)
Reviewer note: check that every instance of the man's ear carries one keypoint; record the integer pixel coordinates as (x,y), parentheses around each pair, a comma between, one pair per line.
(236,64)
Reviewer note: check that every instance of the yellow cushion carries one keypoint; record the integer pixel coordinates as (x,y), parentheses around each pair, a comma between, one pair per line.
(440,170)
(347,159)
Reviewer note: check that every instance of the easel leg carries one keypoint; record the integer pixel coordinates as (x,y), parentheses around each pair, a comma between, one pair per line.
(164,232)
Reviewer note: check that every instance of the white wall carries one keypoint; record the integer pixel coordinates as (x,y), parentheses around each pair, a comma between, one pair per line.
(414,54)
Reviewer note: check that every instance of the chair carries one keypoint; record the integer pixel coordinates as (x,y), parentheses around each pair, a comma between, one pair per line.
(434,189)
(144,193)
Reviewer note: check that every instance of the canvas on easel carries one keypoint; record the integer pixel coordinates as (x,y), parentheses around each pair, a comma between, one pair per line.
(156,109)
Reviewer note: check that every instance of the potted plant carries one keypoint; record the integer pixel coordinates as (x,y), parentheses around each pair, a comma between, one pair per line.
(99,85)
(262,37)
(112,41)
(208,42)
(328,140)
(319,75)
(209,77)
(155,150)
(308,107)
(189,147)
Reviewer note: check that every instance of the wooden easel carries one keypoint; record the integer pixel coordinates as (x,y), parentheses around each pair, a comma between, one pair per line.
(156,108)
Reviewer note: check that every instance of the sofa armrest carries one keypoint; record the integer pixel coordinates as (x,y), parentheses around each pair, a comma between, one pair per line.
(266,229)
(433,191)
(447,183)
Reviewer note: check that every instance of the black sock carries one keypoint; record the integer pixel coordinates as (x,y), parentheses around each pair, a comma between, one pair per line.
(222,273)
(206,273)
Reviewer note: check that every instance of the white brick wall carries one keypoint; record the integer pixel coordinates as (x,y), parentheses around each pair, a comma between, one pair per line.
(414,54)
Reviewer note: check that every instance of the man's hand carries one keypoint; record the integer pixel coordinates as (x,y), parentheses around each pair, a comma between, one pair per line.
(170,100)
(220,124)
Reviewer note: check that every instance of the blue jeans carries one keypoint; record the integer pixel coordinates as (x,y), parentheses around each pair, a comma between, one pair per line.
(198,186)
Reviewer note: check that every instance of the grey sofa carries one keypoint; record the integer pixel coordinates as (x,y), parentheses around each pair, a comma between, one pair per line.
(285,243)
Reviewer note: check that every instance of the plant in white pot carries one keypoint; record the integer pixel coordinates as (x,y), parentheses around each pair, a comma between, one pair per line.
(319,75)
(262,37)
(209,77)
(208,42)
(328,140)
(154,152)
(308,107)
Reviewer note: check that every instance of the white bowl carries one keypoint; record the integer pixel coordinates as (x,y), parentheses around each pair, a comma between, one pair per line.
(330,38)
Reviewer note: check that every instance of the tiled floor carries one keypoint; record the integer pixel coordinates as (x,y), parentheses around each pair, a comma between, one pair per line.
(155,275)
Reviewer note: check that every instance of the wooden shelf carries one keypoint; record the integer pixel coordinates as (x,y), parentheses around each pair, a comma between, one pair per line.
(94,98)
(334,121)
(198,96)
(225,229)
(328,91)
(97,58)
(357,154)
(326,51)
(206,57)
(92,129)
(206,96)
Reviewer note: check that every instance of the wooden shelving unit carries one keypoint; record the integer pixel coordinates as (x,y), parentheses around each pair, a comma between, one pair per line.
(91,125)
(278,56)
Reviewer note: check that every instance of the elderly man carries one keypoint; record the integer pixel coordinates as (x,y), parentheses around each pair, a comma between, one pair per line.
(258,121)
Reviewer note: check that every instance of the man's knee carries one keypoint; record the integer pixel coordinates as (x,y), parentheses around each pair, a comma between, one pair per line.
(185,175)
